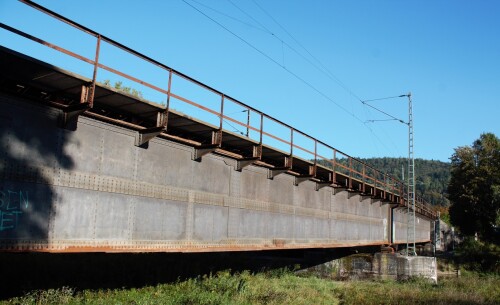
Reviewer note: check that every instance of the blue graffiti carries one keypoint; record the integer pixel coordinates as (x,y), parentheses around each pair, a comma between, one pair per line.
(12,206)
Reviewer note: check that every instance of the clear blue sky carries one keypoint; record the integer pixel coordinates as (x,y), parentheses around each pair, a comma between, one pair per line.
(447,53)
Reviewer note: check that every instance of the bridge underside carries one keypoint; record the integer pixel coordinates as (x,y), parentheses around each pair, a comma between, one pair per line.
(79,179)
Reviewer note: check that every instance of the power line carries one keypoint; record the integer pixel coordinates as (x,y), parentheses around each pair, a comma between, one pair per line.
(383,112)
(328,72)
(228,16)
(384,98)
(340,83)
(236,129)
(310,85)
(373,121)
(249,16)
(321,68)
(275,62)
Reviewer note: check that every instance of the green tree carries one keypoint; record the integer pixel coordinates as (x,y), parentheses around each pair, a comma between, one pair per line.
(119,86)
(474,188)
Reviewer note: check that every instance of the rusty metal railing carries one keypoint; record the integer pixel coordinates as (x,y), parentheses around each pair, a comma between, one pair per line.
(338,161)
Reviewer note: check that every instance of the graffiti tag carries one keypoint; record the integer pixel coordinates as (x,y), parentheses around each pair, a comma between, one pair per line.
(12,206)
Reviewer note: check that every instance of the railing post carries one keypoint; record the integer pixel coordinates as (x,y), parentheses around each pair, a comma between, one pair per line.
(167,109)
(402,194)
(350,173)
(289,162)
(258,150)
(261,128)
(334,167)
(315,157)
(363,187)
(218,140)
(94,75)
(248,122)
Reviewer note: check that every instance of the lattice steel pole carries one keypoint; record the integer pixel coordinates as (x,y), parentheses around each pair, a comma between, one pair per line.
(410,203)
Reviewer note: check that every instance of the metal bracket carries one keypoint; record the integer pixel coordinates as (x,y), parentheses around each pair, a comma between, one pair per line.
(257,151)
(143,136)
(377,194)
(312,170)
(363,196)
(70,113)
(202,150)
(240,164)
(273,172)
(320,185)
(299,179)
(217,137)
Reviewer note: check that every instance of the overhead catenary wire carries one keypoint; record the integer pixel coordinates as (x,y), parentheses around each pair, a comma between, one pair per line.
(250,16)
(322,69)
(229,16)
(386,120)
(383,112)
(276,62)
(365,102)
(332,76)
(384,98)
(326,70)
(235,129)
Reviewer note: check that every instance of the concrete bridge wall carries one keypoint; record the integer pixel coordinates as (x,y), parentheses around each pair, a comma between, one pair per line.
(91,189)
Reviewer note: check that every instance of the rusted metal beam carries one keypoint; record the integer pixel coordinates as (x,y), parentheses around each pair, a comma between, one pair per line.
(94,75)
(202,150)
(299,179)
(145,135)
(273,172)
(71,113)
(320,185)
(240,164)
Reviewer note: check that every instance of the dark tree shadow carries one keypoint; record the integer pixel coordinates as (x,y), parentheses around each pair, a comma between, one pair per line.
(33,271)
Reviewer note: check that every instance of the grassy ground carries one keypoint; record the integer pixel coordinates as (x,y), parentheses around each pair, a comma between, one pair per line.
(284,288)
(466,289)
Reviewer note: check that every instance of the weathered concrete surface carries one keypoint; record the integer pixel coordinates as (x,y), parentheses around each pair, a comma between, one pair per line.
(422,227)
(378,265)
(396,266)
(91,189)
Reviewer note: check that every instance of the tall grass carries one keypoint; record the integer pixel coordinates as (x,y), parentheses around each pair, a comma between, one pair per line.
(283,288)
(472,288)
(221,288)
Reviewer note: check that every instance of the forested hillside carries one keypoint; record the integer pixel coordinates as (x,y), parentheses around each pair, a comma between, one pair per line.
(431,176)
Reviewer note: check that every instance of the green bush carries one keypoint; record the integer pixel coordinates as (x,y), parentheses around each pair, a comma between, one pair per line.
(478,256)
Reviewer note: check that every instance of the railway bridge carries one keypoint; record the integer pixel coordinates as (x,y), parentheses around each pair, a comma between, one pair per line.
(86,167)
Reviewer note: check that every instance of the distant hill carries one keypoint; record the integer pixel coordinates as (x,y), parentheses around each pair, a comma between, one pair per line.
(431,176)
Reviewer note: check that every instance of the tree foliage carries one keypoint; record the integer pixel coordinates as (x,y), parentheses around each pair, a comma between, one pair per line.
(119,86)
(474,189)
(431,176)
